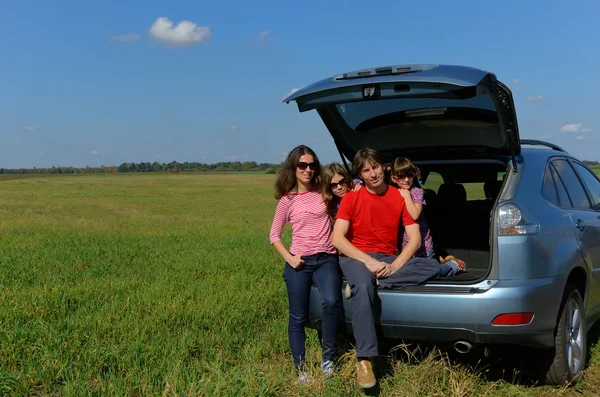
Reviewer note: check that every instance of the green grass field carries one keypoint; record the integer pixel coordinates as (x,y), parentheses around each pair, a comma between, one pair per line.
(158,284)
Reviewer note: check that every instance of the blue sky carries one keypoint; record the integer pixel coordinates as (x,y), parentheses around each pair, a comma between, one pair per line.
(92,82)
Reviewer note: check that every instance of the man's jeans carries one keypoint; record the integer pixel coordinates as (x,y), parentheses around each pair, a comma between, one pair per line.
(323,270)
(362,282)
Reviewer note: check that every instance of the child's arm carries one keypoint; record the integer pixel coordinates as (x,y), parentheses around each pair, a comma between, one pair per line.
(414,209)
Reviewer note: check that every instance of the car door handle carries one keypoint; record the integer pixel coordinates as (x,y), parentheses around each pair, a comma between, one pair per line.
(580,224)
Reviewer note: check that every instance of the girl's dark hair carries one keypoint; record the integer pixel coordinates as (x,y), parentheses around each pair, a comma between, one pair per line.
(403,166)
(329,198)
(286,178)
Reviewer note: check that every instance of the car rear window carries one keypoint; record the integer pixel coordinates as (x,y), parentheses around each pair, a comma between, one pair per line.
(415,109)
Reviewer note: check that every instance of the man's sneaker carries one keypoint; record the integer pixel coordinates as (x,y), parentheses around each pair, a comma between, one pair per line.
(303,378)
(327,368)
(348,291)
(364,374)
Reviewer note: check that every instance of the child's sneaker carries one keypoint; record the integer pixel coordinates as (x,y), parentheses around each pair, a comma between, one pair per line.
(458,265)
(327,368)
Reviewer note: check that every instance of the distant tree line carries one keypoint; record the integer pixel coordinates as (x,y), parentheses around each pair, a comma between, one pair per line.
(173,166)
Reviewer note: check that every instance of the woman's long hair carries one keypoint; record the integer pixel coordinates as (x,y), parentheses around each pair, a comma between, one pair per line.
(329,198)
(286,178)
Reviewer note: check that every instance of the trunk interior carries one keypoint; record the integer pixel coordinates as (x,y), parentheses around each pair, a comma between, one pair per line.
(460,199)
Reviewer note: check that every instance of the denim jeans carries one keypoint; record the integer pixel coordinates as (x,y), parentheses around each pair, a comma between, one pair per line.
(323,270)
(446,270)
(365,302)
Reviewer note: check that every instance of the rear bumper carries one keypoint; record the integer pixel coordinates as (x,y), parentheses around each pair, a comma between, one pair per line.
(450,316)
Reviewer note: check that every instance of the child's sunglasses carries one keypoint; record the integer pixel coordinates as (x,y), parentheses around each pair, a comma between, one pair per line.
(342,182)
(410,175)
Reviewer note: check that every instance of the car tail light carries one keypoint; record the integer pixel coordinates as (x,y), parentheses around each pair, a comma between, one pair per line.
(513,319)
(511,222)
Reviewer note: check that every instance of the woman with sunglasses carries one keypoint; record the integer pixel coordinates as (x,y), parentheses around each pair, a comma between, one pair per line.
(311,258)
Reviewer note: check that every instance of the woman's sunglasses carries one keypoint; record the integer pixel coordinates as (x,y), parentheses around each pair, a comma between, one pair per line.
(342,182)
(303,165)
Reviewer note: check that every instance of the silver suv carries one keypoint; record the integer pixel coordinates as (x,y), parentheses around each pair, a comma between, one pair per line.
(524,215)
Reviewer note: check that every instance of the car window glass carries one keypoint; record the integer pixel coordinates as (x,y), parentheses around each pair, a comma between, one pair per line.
(548,189)
(563,197)
(433,182)
(592,183)
(474,191)
(573,185)
(419,109)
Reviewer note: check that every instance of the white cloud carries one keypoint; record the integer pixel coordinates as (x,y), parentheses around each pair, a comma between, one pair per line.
(574,128)
(233,127)
(184,34)
(127,37)
(95,153)
(266,36)
(30,128)
(580,137)
(518,84)
(535,98)
(261,39)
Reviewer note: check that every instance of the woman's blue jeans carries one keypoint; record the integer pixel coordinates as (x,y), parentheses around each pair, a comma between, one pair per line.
(323,270)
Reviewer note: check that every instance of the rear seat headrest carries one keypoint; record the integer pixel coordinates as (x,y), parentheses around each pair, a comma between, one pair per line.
(491,189)
(430,196)
(452,192)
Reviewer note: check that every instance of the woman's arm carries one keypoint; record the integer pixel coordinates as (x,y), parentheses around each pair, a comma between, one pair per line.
(294,261)
(279,221)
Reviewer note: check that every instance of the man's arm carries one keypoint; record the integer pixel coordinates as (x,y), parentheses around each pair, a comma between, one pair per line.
(414,242)
(340,229)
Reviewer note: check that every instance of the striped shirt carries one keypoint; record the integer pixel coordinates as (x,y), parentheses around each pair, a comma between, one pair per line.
(311,226)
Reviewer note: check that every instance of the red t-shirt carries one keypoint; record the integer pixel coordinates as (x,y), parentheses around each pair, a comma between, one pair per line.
(375,220)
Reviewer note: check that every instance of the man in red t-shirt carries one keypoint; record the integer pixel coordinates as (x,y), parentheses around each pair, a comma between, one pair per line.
(366,233)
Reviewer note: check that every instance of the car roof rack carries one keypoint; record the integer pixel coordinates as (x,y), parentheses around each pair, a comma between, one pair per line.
(542,143)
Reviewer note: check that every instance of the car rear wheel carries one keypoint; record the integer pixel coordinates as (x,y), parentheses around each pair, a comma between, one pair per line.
(570,341)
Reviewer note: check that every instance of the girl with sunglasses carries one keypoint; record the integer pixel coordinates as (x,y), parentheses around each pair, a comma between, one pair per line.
(407,176)
(336,183)
(311,257)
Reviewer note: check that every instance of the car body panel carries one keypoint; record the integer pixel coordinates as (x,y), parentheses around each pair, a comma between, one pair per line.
(437,106)
(472,313)
(459,76)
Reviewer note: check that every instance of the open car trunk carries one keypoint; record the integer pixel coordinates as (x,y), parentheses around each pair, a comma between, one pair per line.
(460,200)
(457,123)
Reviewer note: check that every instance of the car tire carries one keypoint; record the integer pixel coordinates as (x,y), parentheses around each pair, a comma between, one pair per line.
(570,340)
